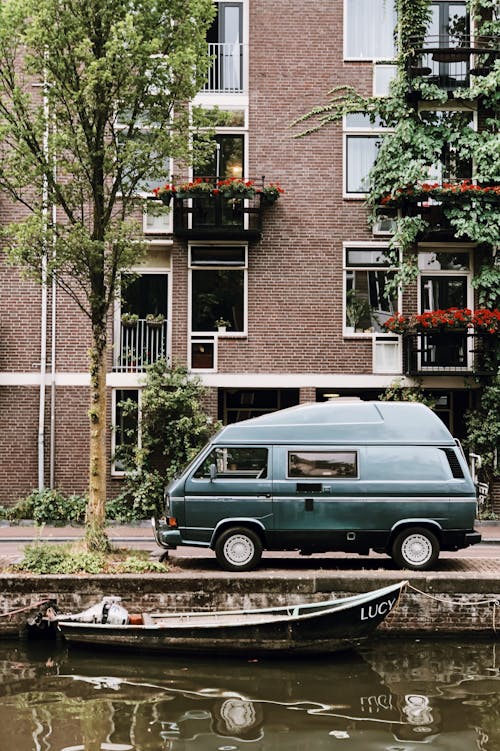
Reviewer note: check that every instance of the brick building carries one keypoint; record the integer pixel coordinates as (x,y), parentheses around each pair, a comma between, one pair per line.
(283,276)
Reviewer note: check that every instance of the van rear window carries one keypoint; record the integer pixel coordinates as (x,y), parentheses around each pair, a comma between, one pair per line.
(322,464)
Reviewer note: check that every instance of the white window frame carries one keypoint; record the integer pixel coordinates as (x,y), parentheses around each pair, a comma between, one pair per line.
(383,65)
(219,97)
(362,245)
(243,267)
(357,131)
(469,273)
(363,58)
(115,472)
(117,312)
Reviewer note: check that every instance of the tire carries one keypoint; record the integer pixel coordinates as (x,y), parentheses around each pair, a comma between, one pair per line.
(415,548)
(238,549)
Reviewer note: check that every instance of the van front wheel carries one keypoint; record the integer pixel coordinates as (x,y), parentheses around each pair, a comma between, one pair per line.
(238,549)
(416,548)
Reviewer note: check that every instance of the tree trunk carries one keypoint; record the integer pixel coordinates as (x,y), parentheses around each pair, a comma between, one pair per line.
(95,534)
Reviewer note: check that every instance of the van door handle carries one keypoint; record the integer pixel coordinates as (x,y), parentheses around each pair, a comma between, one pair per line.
(266,495)
(309,504)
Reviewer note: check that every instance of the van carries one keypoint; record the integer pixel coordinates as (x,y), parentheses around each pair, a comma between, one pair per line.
(349,476)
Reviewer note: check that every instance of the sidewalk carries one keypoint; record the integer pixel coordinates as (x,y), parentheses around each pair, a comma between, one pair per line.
(26,531)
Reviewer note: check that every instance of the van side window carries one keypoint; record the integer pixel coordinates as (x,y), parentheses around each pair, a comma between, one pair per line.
(322,464)
(234,462)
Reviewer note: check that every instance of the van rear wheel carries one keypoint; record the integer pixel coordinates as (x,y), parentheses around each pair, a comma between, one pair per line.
(238,549)
(416,548)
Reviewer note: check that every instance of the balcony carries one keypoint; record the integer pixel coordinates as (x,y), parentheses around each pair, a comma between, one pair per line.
(441,352)
(227,72)
(449,62)
(217,217)
(140,344)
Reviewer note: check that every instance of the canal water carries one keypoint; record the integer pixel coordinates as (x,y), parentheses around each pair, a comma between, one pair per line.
(388,696)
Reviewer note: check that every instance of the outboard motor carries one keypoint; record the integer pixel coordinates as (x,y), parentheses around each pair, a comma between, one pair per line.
(108,610)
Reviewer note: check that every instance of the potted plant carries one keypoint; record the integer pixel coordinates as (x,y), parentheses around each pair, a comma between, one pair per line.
(197,187)
(355,310)
(165,194)
(236,187)
(155,321)
(222,325)
(270,193)
(129,320)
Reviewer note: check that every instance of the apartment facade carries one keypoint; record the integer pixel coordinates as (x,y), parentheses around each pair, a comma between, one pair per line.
(299,282)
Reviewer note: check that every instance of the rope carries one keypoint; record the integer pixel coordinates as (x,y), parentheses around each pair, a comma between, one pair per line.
(21,610)
(494,602)
(491,601)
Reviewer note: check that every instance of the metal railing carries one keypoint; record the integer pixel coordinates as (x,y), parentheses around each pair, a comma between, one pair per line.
(226,75)
(449,352)
(449,61)
(140,344)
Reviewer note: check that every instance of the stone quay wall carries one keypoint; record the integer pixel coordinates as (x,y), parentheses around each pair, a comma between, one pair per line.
(432,605)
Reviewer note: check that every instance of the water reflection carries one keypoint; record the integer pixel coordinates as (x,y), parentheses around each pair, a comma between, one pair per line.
(392,696)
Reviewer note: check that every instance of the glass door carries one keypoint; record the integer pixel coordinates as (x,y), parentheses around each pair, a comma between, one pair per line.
(225,45)
(446,349)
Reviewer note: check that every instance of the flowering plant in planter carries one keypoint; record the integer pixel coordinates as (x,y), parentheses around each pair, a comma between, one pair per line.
(198,187)
(235,187)
(440,192)
(165,194)
(487,320)
(270,193)
(450,319)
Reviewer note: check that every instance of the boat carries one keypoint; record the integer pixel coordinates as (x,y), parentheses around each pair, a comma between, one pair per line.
(314,627)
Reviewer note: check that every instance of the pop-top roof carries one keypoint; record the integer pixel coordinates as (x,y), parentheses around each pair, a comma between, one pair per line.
(343,422)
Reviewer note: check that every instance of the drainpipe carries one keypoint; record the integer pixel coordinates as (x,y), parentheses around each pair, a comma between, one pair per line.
(43,312)
(52,450)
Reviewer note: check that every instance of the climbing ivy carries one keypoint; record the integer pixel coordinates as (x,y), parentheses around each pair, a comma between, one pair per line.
(417,138)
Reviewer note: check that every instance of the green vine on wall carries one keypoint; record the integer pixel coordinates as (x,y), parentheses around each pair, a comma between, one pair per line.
(417,139)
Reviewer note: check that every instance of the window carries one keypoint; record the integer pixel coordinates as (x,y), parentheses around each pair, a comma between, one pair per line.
(126,433)
(369,29)
(218,288)
(141,329)
(225,46)
(235,462)
(362,142)
(322,464)
(383,75)
(227,159)
(452,166)
(367,303)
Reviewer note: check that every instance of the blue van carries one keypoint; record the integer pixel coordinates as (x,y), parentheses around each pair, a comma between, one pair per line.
(348,476)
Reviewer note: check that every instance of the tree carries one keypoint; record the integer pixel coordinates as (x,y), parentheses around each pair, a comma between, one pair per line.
(87,97)
(174,427)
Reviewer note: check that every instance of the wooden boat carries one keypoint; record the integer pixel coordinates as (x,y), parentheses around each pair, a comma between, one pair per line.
(315,627)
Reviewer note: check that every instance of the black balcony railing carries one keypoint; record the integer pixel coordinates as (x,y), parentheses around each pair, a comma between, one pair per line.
(215,216)
(449,352)
(450,61)
(140,344)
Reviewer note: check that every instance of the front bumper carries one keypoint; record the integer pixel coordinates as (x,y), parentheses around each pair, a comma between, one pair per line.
(165,536)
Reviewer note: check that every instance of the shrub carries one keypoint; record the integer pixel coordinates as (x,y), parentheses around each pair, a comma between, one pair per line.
(50,506)
(48,558)
(44,558)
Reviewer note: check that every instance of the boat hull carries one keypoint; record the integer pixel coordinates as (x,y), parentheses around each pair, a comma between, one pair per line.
(310,628)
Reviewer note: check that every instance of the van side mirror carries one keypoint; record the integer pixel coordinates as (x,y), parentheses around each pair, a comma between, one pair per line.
(213,471)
